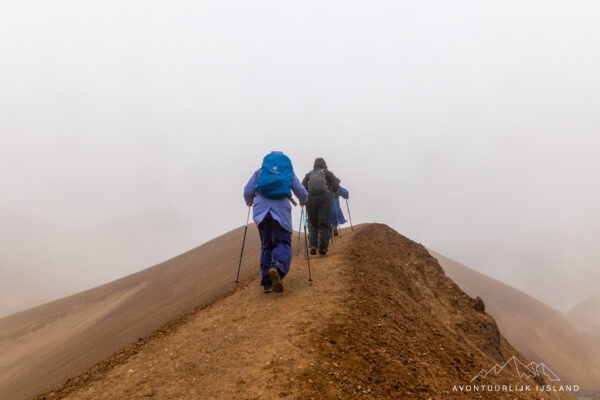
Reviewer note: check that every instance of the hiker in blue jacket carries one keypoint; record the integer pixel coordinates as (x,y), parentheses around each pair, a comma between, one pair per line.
(337,216)
(269,189)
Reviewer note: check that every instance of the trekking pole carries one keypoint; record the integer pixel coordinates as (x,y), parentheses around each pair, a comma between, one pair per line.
(329,220)
(349,216)
(331,232)
(237,278)
(300,231)
(306,248)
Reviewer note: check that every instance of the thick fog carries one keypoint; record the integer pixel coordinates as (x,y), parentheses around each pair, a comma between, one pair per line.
(129,128)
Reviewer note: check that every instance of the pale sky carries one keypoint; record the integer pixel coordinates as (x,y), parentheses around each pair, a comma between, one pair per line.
(129,128)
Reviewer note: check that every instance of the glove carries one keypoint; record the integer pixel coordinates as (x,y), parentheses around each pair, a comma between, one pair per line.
(250,203)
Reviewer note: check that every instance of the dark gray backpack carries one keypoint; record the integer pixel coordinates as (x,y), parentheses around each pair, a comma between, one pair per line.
(317,182)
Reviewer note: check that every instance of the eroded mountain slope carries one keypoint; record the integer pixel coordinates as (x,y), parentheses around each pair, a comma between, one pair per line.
(42,347)
(381,320)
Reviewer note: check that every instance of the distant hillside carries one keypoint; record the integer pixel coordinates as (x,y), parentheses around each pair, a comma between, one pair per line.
(8,304)
(537,330)
(587,311)
(26,241)
(40,348)
(380,321)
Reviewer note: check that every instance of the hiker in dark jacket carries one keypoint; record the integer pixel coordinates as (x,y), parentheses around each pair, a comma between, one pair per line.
(320,183)
(273,217)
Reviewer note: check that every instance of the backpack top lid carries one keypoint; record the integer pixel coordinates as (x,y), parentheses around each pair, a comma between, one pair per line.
(275,177)
(317,181)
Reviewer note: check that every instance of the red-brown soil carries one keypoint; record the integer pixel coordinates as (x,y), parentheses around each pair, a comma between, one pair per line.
(42,347)
(381,320)
(537,330)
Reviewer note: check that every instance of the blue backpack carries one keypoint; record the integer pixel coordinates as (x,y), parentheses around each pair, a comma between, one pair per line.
(275,177)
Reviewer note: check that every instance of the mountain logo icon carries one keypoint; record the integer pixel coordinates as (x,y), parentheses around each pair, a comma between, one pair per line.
(530,370)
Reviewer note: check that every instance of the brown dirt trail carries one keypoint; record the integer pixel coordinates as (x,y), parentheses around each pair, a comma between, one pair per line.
(381,320)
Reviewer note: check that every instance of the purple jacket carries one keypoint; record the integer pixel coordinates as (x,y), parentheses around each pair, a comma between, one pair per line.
(281,209)
(336,209)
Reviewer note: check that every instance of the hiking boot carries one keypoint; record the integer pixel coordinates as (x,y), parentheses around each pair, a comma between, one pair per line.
(268,289)
(277,285)
(313,251)
(322,253)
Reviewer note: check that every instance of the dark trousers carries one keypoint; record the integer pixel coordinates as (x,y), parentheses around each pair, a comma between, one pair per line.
(318,209)
(276,248)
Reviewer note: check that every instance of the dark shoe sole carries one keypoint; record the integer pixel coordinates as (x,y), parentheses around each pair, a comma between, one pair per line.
(277,285)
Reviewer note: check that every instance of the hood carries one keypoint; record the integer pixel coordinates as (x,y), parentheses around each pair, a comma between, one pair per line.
(320,164)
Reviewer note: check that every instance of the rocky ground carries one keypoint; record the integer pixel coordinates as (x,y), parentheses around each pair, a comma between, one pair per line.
(380,321)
